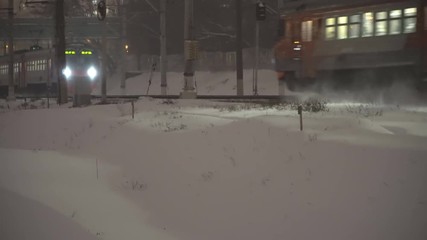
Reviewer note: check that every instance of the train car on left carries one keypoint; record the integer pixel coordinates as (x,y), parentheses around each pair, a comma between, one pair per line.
(35,72)
(32,72)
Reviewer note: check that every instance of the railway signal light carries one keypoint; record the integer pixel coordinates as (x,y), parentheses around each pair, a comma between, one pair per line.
(102,10)
(260,11)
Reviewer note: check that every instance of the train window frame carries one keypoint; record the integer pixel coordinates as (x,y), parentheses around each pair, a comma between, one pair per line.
(307,31)
(398,11)
(330,25)
(381,22)
(368,26)
(408,13)
(410,17)
(354,29)
(342,27)
(395,26)
(4,69)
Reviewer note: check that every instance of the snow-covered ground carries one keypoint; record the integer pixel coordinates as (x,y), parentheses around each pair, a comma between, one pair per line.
(207,83)
(198,169)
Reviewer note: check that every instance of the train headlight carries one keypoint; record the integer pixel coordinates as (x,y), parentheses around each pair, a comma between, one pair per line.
(67,72)
(92,73)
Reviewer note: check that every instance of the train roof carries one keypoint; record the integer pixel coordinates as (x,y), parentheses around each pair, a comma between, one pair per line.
(295,6)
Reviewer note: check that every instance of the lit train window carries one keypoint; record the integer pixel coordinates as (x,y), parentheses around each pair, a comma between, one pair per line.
(4,69)
(355,18)
(16,67)
(307,31)
(410,12)
(395,26)
(330,29)
(396,13)
(410,20)
(381,24)
(342,20)
(395,22)
(381,28)
(342,32)
(368,24)
(410,25)
(381,15)
(354,30)
(342,27)
(330,21)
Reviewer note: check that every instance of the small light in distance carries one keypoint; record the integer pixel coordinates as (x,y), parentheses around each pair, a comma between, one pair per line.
(67,72)
(127,48)
(92,73)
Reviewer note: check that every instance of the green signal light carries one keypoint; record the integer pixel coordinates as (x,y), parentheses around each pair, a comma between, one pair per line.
(86,52)
(70,52)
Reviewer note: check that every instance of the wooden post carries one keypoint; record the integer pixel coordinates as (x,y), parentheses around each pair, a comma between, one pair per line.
(96,168)
(133,110)
(300,117)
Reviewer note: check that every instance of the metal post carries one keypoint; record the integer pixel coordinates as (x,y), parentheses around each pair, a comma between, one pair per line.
(123,43)
(163,53)
(104,65)
(239,54)
(133,109)
(255,80)
(189,90)
(11,89)
(49,80)
(60,52)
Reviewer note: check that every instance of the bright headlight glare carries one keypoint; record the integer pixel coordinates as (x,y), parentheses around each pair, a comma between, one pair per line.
(67,72)
(92,73)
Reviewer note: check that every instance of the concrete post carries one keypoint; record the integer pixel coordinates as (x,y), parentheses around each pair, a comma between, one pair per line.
(163,51)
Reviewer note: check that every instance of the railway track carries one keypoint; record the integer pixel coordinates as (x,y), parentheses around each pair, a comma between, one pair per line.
(228,98)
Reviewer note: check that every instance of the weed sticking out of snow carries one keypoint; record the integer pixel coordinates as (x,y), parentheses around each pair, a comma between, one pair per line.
(365,110)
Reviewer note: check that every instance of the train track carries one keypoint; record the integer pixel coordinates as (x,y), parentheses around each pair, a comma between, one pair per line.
(228,98)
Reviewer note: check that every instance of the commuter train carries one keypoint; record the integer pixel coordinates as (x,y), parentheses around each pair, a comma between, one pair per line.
(35,73)
(364,44)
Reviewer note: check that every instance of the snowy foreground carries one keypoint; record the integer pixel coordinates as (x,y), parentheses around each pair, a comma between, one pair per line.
(193,170)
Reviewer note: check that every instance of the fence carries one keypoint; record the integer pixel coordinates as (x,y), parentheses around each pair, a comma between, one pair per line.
(208,61)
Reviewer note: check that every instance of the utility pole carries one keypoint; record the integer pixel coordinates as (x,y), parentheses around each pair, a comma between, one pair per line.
(260,15)
(163,53)
(239,55)
(123,43)
(104,64)
(256,65)
(11,89)
(102,14)
(190,50)
(60,52)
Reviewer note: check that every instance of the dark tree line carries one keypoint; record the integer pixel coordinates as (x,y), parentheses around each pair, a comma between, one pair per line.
(214,25)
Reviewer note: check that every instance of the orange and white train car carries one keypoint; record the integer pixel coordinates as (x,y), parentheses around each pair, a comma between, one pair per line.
(362,45)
